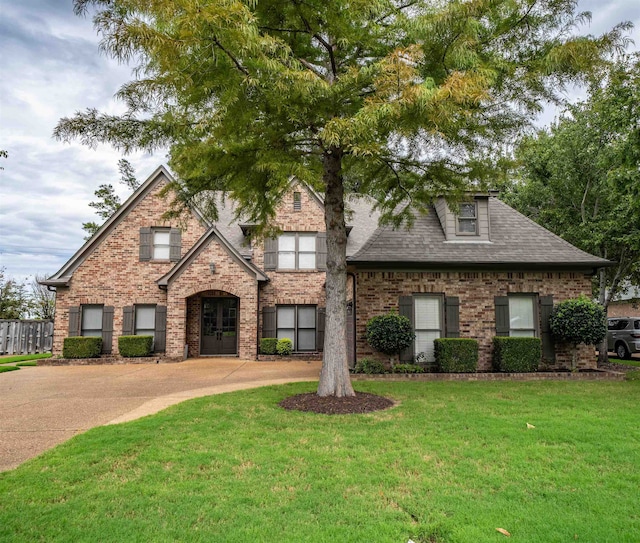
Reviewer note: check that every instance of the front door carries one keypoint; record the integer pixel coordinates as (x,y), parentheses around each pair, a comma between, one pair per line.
(219,326)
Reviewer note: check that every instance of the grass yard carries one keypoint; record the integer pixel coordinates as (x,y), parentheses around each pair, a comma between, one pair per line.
(8,368)
(23,357)
(451,462)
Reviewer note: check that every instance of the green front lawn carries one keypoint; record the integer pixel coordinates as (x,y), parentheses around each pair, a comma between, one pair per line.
(451,462)
(23,357)
(8,368)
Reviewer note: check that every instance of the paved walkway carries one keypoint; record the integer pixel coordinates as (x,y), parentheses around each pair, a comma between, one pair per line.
(43,406)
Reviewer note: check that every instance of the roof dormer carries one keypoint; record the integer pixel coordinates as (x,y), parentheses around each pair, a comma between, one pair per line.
(470,222)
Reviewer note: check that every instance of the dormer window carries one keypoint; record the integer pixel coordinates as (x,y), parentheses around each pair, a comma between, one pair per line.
(468,219)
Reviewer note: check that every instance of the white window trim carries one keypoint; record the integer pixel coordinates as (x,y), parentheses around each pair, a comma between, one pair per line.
(535,316)
(82,328)
(459,232)
(297,251)
(155,231)
(440,330)
(296,328)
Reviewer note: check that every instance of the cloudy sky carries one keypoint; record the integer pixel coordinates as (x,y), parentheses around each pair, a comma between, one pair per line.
(51,69)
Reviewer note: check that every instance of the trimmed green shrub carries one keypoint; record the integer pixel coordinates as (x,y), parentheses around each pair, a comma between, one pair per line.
(579,320)
(369,366)
(129,346)
(408,368)
(389,334)
(516,354)
(284,347)
(268,345)
(8,368)
(456,355)
(82,347)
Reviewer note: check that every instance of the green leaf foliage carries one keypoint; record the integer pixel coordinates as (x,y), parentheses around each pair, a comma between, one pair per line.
(456,355)
(369,366)
(246,94)
(389,334)
(130,346)
(82,347)
(579,320)
(581,177)
(516,354)
(407,368)
(284,347)
(268,345)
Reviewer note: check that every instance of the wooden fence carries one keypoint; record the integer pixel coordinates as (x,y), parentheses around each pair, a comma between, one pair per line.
(25,337)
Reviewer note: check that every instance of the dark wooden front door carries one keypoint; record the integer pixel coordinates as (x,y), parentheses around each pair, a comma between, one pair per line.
(219,326)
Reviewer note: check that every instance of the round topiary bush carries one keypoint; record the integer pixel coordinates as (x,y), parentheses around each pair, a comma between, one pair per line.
(284,347)
(389,334)
(578,320)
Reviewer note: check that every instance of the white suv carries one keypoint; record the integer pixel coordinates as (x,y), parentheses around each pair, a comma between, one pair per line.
(623,336)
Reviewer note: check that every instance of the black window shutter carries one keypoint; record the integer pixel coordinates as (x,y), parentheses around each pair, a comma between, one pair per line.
(502,315)
(146,243)
(160,341)
(321,315)
(268,322)
(74,321)
(406,310)
(127,321)
(548,349)
(107,329)
(452,316)
(175,244)
(321,251)
(270,254)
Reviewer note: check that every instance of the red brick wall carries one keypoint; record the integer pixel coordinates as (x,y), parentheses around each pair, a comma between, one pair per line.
(113,275)
(186,291)
(293,287)
(379,292)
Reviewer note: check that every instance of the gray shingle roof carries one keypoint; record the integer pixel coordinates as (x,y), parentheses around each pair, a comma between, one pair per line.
(515,239)
(359,215)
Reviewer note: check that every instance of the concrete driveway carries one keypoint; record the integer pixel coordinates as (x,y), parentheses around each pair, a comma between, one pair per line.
(43,406)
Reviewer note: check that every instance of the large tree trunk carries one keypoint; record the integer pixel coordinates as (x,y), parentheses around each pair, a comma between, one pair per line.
(334,377)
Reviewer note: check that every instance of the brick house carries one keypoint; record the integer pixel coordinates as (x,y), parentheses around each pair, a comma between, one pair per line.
(205,289)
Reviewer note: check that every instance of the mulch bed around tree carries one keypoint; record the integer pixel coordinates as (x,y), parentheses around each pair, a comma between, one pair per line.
(362,402)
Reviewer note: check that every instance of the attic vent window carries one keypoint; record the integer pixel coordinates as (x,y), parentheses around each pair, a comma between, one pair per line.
(468,219)
(297,201)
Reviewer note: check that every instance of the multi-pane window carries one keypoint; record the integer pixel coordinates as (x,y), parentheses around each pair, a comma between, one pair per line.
(427,318)
(298,323)
(522,316)
(145,320)
(91,320)
(161,244)
(297,251)
(468,219)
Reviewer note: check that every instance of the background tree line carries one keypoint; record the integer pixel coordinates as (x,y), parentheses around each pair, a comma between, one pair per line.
(28,299)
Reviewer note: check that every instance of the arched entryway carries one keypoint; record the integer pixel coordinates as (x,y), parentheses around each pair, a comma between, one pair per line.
(212,318)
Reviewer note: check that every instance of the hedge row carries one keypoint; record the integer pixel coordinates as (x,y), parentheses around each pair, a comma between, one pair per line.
(129,346)
(456,355)
(273,345)
(82,347)
(516,354)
